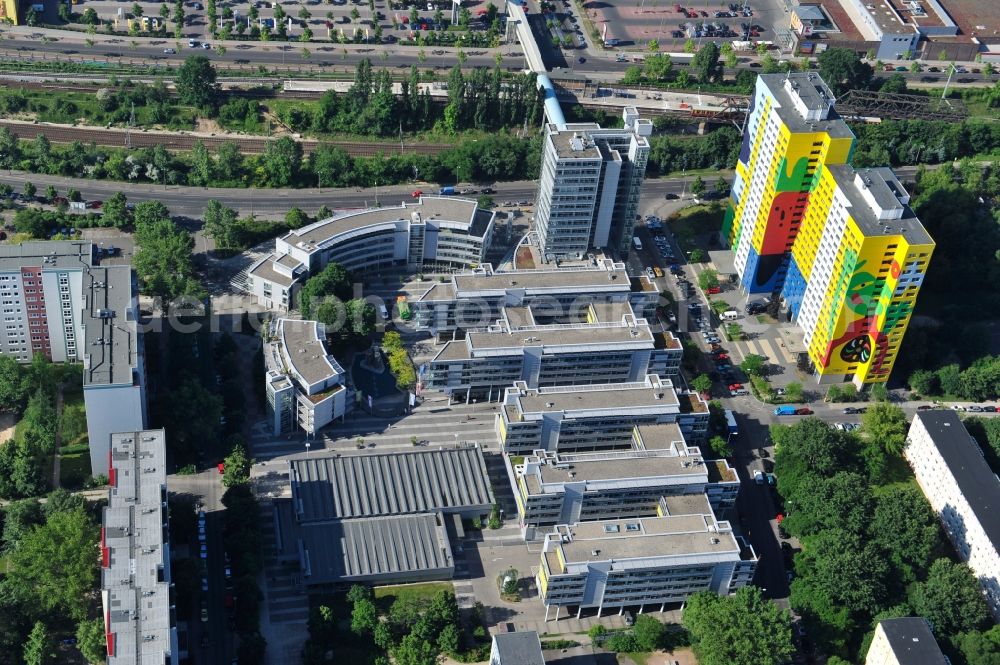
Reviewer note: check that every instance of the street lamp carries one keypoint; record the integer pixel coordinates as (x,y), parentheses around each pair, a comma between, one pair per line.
(307,448)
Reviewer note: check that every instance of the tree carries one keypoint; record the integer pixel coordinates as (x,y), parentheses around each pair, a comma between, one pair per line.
(196,412)
(55,563)
(632,75)
(708,279)
(719,447)
(649,632)
(136,10)
(39,648)
(163,261)
(906,528)
(19,518)
(840,502)
(115,212)
(90,640)
(741,629)
(754,365)
(195,82)
(364,617)
(702,383)
(14,387)
(29,190)
(980,648)
(697,187)
(705,63)
(689,46)
(886,426)
(653,45)
(222,225)
(281,161)
(237,467)
(449,639)
(843,70)
(925,382)
(89,16)
(334,281)
(657,67)
(721,186)
(950,598)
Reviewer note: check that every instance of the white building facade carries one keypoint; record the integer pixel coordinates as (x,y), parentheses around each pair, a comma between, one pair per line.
(965,494)
(304,384)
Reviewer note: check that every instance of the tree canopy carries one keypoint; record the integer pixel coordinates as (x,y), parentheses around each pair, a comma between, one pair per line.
(195,82)
(843,70)
(741,629)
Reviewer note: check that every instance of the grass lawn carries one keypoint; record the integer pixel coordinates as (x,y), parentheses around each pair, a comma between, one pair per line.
(387,595)
(71,107)
(639,658)
(697,220)
(74,468)
(73,425)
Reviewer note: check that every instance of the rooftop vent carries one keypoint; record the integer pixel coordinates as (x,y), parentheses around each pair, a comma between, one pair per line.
(595,552)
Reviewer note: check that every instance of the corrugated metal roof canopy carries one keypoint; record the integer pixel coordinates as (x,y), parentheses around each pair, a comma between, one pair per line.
(349,486)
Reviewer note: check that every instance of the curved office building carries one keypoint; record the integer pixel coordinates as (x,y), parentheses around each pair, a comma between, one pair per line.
(438,231)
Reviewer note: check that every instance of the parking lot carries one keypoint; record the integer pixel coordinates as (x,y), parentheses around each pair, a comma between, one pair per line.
(385,20)
(672,24)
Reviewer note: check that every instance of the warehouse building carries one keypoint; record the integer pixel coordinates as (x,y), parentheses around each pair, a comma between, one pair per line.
(594,417)
(643,561)
(380,518)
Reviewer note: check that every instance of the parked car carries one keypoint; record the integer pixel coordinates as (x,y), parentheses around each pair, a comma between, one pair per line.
(803,411)
(989,408)
(925,407)
(670,196)
(758,476)
(712,290)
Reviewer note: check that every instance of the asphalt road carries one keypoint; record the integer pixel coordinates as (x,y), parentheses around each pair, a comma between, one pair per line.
(28,44)
(190,201)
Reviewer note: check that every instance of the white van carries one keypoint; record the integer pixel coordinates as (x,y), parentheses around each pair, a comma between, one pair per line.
(730,315)
(637,244)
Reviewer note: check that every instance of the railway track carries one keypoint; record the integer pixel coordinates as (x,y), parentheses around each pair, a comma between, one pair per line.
(177,142)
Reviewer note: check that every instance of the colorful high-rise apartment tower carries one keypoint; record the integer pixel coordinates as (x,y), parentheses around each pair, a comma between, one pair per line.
(791,131)
(856,268)
(841,247)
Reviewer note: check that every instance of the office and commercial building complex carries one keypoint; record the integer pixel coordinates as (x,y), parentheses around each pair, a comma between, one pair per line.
(588,190)
(72,301)
(904,641)
(435,231)
(594,417)
(304,384)
(476,298)
(565,488)
(487,361)
(380,518)
(951,471)
(840,246)
(643,560)
(135,554)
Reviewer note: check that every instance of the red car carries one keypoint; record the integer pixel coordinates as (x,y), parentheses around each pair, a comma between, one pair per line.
(721,356)
(221,466)
(736,386)
(803,411)
(417,194)
(712,290)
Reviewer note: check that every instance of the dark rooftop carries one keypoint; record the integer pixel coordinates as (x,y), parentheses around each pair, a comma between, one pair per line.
(965,460)
(912,641)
